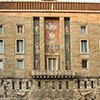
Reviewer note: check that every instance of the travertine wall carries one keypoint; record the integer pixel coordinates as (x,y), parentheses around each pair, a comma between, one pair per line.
(9,20)
(10,71)
(50,89)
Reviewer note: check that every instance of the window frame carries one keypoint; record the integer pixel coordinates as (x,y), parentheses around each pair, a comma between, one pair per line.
(83,26)
(3,47)
(22,64)
(2,29)
(3,64)
(18,33)
(16,46)
(87,64)
(48,63)
(81,46)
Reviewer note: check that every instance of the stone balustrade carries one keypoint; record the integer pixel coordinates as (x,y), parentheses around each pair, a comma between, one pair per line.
(53,74)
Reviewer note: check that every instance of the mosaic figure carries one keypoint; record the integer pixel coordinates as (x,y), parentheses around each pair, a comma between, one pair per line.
(51,38)
(51,25)
(67,58)
(37,29)
(66,29)
(37,48)
(37,64)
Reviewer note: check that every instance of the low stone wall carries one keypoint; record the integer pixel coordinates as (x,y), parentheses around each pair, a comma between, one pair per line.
(50,89)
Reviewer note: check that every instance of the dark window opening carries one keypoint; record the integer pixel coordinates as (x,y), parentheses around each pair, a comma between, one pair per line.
(13,85)
(84,63)
(60,84)
(20,85)
(27,85)
(39,84)
(19,29)
(66,84)
(53,86)
(91,84)
(78,84)
(85,84)
(83,29)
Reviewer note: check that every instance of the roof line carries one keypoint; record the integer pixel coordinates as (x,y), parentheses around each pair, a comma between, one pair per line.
(54,1)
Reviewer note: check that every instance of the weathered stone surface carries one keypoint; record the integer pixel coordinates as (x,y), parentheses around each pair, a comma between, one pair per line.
(46,92)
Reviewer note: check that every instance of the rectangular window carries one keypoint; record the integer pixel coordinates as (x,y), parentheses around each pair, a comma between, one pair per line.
(92,83)
(20,46)
(46,84)
(1,46)
(60,84)
(85,84)
(20,64)
(20,85)
(83,29)
(39,84)
(84,64)
(1,29)
(13,85)
(66,84)
(78,84)
(83,46)
(1,64)
(19,29)
(53,85)
(27,85)
(52,64)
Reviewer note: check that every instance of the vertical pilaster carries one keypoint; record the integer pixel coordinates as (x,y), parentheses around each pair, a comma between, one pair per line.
(42,45)
(62,44)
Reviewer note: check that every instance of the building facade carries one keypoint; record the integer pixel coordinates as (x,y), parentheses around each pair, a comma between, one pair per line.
(49,50)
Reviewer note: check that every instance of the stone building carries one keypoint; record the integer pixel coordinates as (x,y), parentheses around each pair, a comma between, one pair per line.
(49,50)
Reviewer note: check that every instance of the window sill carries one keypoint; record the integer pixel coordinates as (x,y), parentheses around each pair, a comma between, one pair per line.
(20,69)
(84,69)
(19,33)
(19,53)
(84,53)
(1,53)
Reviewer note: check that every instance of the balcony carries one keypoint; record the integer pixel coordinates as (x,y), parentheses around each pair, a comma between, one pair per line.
(52,74)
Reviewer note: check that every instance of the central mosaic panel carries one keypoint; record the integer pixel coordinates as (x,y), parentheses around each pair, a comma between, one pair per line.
(52,35)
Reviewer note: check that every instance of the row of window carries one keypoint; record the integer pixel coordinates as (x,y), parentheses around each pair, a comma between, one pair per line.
(52,62)
(19,64)
(53,84)
(20,85)
(20,46)
(20,29)
(85,84)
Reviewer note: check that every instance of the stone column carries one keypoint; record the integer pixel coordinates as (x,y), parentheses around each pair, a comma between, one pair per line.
(62,44)
(42,45)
